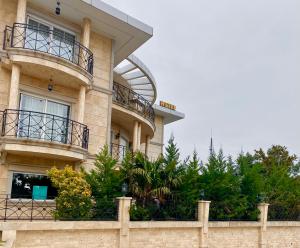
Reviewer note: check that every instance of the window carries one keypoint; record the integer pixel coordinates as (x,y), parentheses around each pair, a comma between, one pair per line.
(44,37)
(49,119)
(32,186)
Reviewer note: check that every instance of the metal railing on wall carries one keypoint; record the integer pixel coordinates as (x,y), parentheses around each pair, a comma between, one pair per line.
(21,208)
(30,37)
(14,207)
(131,100)
(42,126)
(278,212)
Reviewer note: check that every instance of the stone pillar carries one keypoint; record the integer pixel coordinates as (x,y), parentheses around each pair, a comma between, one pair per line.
(9,236)
(139,136)
(135,136)
(81,104)
(124,218)
(86,32)
(263,219)
(21,11)
(13,101)
(147,145)
(203,214)
(83,59)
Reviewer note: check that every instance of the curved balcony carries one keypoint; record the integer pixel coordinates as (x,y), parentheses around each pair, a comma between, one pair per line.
(29,37)
(131,100)
(36,132)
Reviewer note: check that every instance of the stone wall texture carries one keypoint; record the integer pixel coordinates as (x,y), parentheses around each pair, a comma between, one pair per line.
(169,238)
(234,237)
(67,239)
(151,235)
(283,236)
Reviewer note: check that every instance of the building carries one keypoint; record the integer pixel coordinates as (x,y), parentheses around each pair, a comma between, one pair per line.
(69,84)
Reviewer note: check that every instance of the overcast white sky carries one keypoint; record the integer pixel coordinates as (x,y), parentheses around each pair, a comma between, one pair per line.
(232,66)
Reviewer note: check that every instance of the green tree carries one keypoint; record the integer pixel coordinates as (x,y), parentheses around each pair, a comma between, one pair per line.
(172,172)
(188,192)
(144,177)
(222,187)
(104,179)
(252,183)
(106,184)
(281,184)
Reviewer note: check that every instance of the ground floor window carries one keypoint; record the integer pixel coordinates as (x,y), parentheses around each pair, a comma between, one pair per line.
(32,186)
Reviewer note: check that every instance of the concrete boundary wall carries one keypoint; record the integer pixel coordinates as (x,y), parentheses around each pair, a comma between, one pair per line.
(152,234)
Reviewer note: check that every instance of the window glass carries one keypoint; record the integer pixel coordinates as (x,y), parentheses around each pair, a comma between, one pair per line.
(39,125)
(57,126)
(63,44)
(32,186)
(47,38)
(37,36)
(29,122)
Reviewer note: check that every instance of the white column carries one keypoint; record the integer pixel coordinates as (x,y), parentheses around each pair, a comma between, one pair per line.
(21,11)
(147,145)
(135,136)
(139,136)
(124,218)
(14,87)
(263,219)
(203,216)
(86,32)
(81,104)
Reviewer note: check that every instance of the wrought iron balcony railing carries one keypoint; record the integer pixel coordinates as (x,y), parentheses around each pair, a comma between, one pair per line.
(129,99)
(30,37)
(118,152)
(42,126)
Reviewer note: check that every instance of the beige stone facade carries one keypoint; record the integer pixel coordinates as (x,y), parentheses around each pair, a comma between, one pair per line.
(42,74)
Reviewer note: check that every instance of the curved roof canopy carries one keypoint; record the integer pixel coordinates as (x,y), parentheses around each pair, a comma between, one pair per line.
(138,77)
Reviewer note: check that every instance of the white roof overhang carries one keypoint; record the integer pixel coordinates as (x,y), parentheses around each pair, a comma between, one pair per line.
(168,114)
(127,32)
(135,73)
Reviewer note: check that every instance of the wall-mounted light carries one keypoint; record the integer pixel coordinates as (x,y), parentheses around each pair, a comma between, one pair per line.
(57,9)
(117,136)
(50,85)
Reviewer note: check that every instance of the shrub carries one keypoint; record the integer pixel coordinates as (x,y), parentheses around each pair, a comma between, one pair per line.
(74,194)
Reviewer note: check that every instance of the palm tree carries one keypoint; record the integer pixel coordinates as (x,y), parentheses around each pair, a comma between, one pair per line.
(144,178)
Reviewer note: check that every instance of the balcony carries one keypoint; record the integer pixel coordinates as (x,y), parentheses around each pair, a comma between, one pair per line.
(118,152)
(42,51)
(40,133)
(130,100)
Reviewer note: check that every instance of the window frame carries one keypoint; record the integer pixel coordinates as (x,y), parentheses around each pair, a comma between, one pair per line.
(51,27)
(50,24)
(9,189)
(46,99)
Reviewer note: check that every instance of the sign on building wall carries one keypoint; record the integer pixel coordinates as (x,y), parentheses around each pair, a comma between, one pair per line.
(167,105)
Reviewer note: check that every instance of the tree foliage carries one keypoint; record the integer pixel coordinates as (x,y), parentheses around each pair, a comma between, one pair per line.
(168,188)
(74,193)
(281,182)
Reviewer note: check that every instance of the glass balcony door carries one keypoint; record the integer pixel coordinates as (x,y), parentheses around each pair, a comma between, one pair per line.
(31,123)
(47,38)
(123,146)
(43,119)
